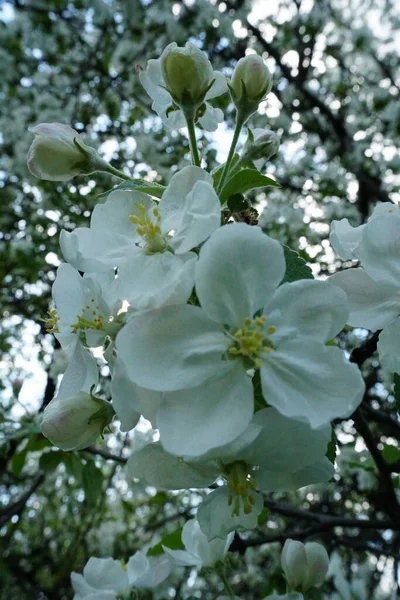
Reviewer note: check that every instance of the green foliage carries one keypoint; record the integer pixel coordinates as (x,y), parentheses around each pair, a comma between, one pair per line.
(296,267)
(172,540)
(243,181)
(136,185)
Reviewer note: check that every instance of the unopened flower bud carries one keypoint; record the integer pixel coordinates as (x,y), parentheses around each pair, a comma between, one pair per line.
(294,563)
(187,73)
(305,565)
(251,82)
(76,422)
(318,565)
(261,145)
(58,153)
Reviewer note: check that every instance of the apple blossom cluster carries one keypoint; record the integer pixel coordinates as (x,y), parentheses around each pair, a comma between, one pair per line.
(204,336)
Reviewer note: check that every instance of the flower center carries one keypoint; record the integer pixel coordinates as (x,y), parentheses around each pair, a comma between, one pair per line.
(251,341)
(149,228)
(241,486)
(91,318)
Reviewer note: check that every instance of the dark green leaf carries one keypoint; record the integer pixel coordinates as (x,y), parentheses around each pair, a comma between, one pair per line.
(49,461)
(332,448)
(137,185)
(391,454)
(296,267)
(396,381)
(263,517)
(171,540)
(92,479)
(243,181)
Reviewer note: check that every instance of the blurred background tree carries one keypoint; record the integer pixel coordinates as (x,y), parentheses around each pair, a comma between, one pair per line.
(335,104)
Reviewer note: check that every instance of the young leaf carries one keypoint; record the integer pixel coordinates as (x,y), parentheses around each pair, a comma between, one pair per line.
(296,267)
(171,540)
(136,185)
(92,479)
(243,181)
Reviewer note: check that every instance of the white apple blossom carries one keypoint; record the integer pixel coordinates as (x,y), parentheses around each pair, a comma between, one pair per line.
(86,310)
(105,578)
(373,291)
(199,552)
(261,457)
(150,244)
(153,81)
(247,321)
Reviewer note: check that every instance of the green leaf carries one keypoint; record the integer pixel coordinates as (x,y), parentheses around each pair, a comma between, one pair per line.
(396,391)
(92,479)
(36,443)
(136,185)
(296,267)
(243,181)
(331,451)
(49,461)
(217,172)
(263,517)
(74,466)
(171,540)
(391,454)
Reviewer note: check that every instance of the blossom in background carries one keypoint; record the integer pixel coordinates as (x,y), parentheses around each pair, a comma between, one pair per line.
(246,322)
(305,565)
(373,291)
(154,82)
(105,578)
(150,243)
(199,552)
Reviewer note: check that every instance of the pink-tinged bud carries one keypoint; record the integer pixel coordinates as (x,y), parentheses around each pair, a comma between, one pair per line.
(76,422)
(58,153)
(251,82)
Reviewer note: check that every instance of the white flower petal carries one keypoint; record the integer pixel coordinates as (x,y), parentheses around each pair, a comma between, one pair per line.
(150,281)
(201,216)
(271,448)
(274,481)
(389,346)
(372,305)
(124,394)
(345,238)
(173,348)
(173,200)
(182,558)
(165,471)
(205,553)
(193,421)
(212,118)
(219,86)
(215,514)
(303,379)
(310,308)
(379,249)
(81,374)
(147,572)
(105,574)
(90,250)
(238,270)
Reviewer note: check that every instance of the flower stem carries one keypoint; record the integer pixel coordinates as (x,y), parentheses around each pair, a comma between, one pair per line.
(113,171)
(192,138)
(227,585)
(238,127)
